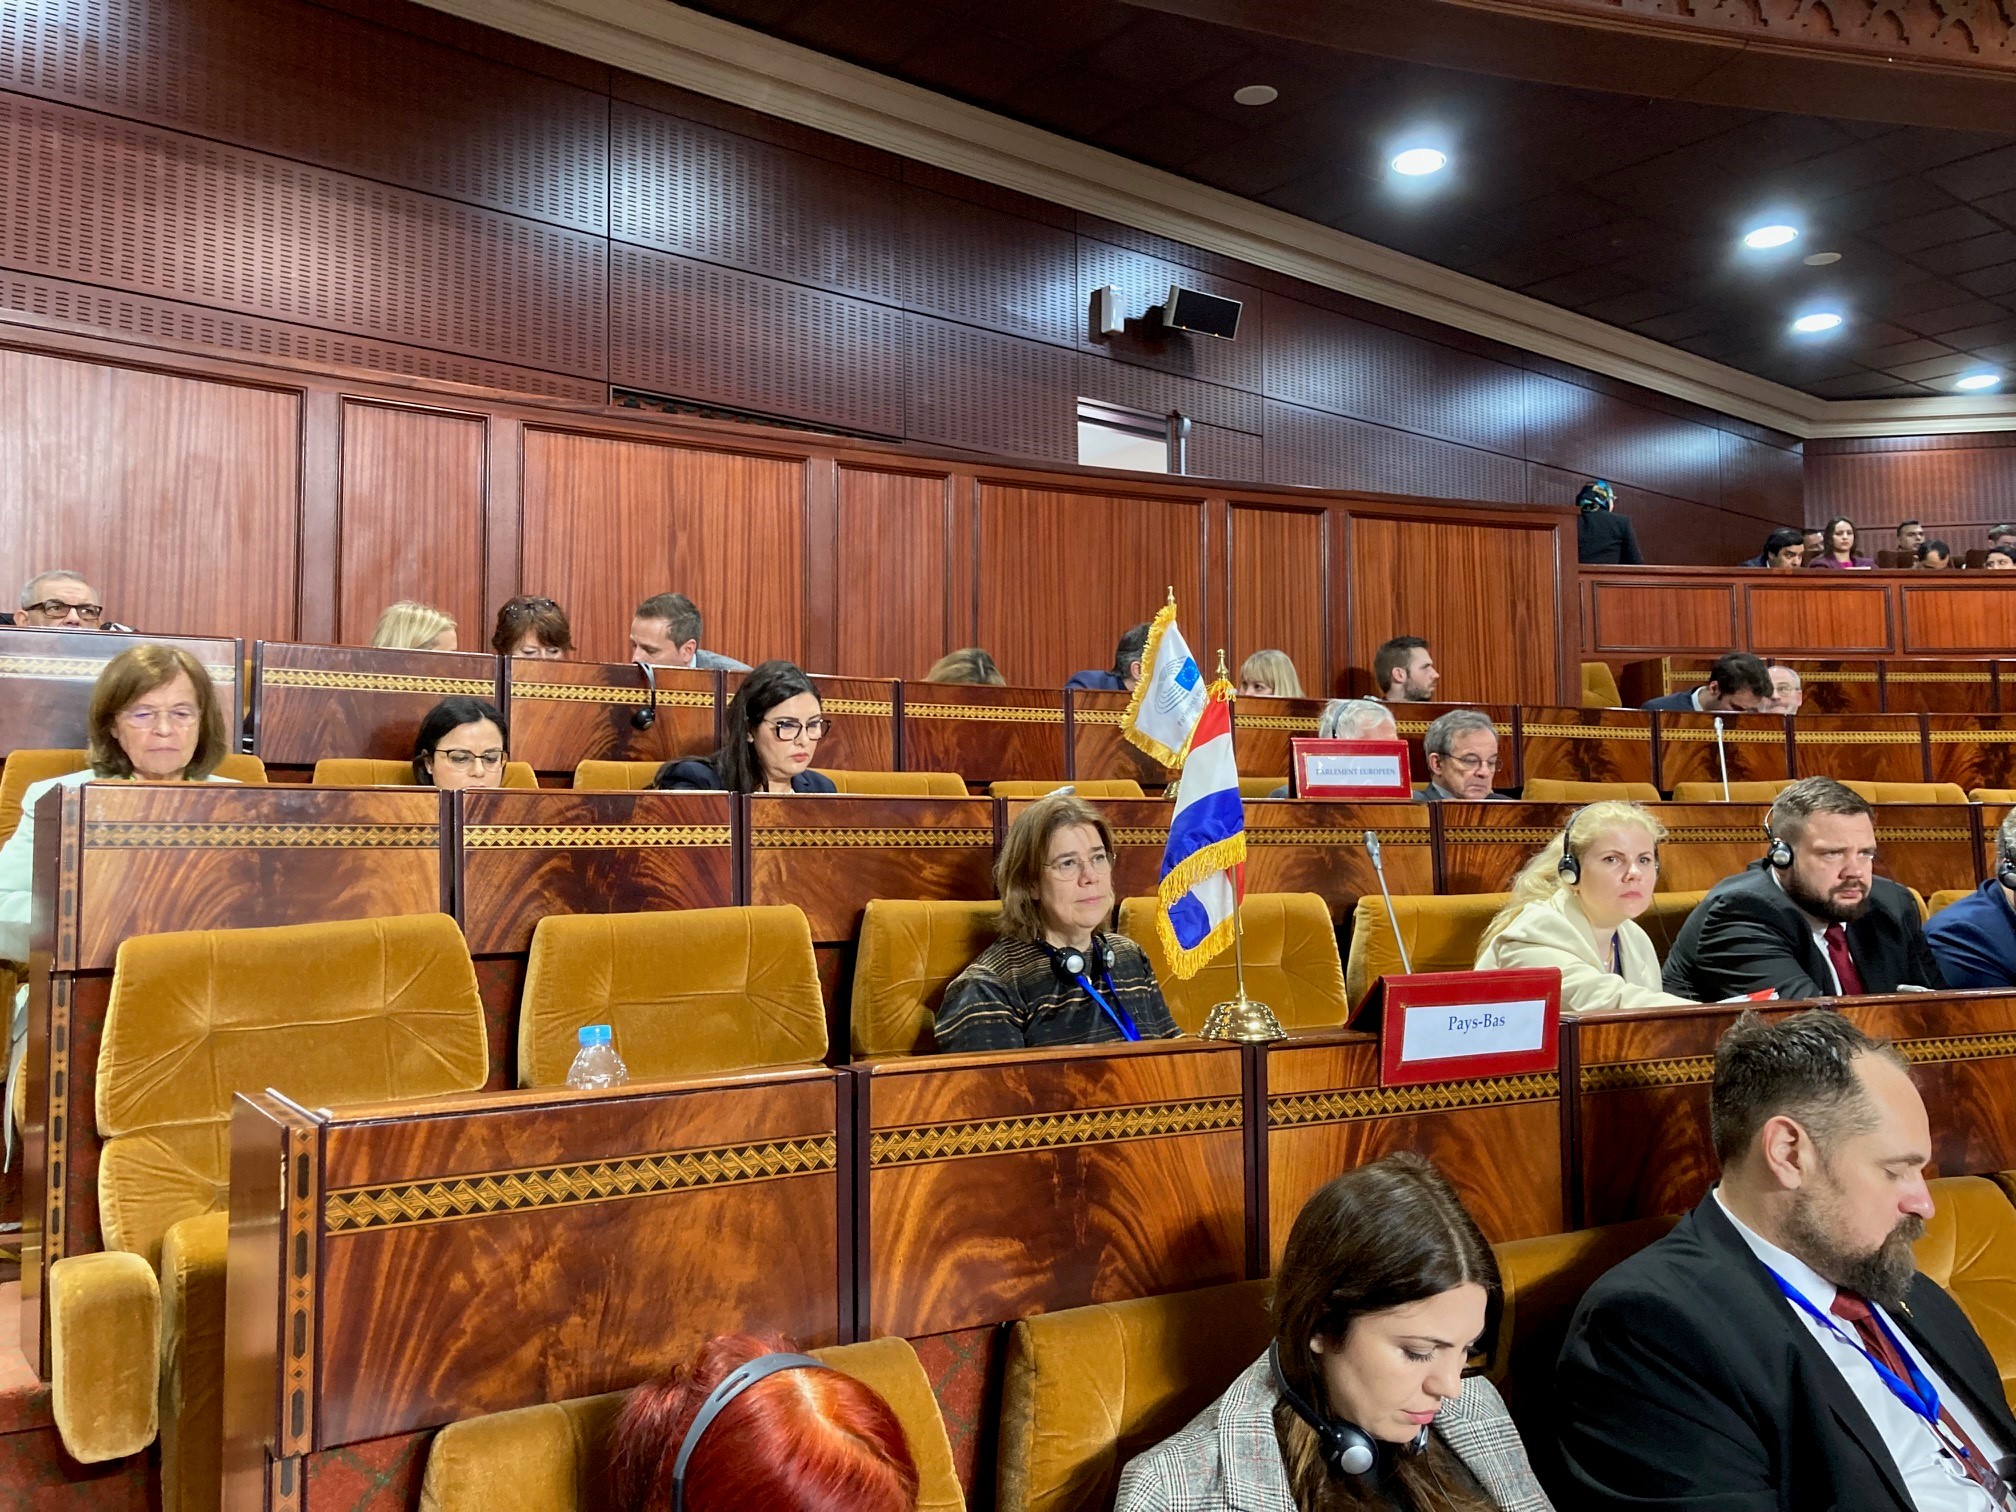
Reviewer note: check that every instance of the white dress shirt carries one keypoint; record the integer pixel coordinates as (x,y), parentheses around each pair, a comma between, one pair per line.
(1934,1477)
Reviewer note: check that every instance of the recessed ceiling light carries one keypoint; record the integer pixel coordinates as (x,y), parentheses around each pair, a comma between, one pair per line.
(1416,161)
(1815,323)
(1256,94)
(1766,237)
(1820,259)
(1974,381)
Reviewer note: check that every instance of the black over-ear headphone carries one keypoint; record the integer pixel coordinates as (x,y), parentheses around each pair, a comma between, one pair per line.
(1569,867)
(647,716)
(1072,961)
(1780,852)
(1346,1448)
(737,1381)
(2005,865)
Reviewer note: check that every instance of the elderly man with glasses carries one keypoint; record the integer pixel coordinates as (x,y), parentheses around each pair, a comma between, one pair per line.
(1462,750)
(60,600)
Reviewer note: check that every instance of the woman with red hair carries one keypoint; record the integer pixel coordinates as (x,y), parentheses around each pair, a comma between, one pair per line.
(775,1431)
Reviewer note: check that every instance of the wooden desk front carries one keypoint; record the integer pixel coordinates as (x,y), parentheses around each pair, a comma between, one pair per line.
(311,702)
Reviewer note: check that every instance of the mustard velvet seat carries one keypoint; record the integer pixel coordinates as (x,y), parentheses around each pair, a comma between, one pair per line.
(24,769)
(376,771)
(1290,947)
(623,776)
(1095,787)
(1553,790)
(694,992)
(1261,787)
(1599,687)
(633,775)
(909,951)
(1943,898)
(1909,792)
(1739,792)
(1969,1247)
(362,1011)
(551,1458)
(1991,795)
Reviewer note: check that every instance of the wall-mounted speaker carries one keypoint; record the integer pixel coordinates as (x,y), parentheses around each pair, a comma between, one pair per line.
(1207,314)
(1106,317)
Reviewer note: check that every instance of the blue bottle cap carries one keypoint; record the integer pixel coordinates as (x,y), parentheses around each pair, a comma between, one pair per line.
(594,1034)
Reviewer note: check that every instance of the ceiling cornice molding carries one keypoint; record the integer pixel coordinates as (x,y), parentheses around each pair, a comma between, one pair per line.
(664,41)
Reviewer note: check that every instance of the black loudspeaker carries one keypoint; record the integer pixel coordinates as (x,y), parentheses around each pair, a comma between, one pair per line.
(1208,314)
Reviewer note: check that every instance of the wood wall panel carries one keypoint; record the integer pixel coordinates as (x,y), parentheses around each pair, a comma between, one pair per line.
(1280,590)
(411,518)
(610,522)
(1957,618)
(891,541)
(177,497)
(1062,574)
(1792,621)
(1627,617)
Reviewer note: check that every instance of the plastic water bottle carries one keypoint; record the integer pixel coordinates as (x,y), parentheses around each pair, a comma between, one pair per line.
(596,1064)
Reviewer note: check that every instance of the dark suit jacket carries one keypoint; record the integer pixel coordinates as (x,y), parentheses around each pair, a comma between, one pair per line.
(1095,681)
(699,776)
(1974,939)
(1687,1383)
(1672,703)
(1747,935)
(1603,537)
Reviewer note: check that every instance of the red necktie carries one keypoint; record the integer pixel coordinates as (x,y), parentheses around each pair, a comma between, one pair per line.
(1854,1311)
(1844,963)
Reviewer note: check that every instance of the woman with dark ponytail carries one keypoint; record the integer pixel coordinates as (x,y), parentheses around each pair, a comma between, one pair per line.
(1360,1403)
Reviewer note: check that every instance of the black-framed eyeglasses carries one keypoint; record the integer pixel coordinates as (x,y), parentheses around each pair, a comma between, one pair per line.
(90,614)
(790,729)
(464,761)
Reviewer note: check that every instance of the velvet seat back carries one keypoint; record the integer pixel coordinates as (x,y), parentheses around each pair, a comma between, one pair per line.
(1290,951)
(24,769)
(379,771)
(910,950)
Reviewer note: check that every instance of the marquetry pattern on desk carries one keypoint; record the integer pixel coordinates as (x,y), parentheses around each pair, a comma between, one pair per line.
(1287,1110)
(378,682)
(592,693)
(594,836)
(69,668)
(985,713)
(867,839)
(130,834)
(1693,1070)
(926,1143)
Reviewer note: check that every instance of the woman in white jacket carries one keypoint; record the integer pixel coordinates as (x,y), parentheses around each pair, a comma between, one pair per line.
(1574,904)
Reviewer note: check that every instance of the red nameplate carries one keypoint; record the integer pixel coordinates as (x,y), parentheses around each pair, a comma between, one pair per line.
(1452,1025)
(1350,769)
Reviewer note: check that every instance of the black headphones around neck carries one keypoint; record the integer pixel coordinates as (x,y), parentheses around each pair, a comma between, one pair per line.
(2005,865)
(1071,961)
(1346,1448)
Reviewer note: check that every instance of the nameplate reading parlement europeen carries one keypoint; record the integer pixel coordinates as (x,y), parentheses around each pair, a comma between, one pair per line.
(1350,769)
(1452,1025)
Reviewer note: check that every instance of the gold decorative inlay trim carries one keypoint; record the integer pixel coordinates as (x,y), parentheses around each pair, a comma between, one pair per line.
(1287,1110)
(592,693)
(410,1203)
(83,667)
(1922,832)
(1144,836)
(879,707)
(1939,1050)
(1524,835)
(1420,727)
(1588,732)
(1838,677)
(376,682)
(1336,836)
(591,836)
(984,713)
(1735,735)
(1734,834)
(1692,1070)
(1938,677)
(1114,717)
(1274,721)
(1856,737)
(1974,737)
(126,834)
(1052,1131)
(865,839)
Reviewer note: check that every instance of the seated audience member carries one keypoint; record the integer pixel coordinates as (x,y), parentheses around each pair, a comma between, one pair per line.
(1404,669)
(408,626)
(1910,540)
(1351,719)
(1572,907)
(1974,938)
(1837,550)
(463,743)
(1269,674)
(1787,692)
(970,666)
(1810,920)
(785,1434)
(1935,556)
(1782,548)
(1462,751)
(60,600)
(1737,684)
(1126,666)
(532,627)
(1779,1351)
(2000,560)
(154,717)
(1056,976)
(770,731)
(2003,538)
(1602,536)
(1813,538)
(665,632)
(1360,1401)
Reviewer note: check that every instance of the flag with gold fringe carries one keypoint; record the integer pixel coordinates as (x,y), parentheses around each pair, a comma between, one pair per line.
(1204,863)
(1170,696)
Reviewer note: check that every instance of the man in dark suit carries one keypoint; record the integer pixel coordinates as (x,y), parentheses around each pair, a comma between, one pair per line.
(1734,1364)
(1602,537)
(1126,666)
(1738,683)
(1974,939)
(1810,920)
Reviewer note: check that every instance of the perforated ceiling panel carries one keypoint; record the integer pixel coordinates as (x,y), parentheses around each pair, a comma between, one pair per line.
(692,329)
(979,266)
(686,188)
(1329,451)
(990,393)
(303,82)
(155,212)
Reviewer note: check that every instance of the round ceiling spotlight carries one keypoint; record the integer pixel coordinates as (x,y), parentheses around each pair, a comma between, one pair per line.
(1820,259)
(1975,382)
(1256,94)
(1764,238)
(1418,161)
(1816,322)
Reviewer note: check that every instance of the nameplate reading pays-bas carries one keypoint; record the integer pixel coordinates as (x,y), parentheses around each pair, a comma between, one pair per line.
(1452,1025)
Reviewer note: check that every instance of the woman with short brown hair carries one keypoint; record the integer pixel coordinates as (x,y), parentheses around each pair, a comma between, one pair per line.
(1056,976)
(532,627)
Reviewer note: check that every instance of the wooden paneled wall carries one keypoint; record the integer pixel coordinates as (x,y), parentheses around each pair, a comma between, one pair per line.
(370,186)
(210,496)
(1957,485)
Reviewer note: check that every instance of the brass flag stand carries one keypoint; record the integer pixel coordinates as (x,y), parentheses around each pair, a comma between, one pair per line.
(1243,1018)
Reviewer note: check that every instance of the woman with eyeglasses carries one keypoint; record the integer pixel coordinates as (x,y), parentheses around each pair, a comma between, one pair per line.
(771,731)
(462,744)
(1056,976)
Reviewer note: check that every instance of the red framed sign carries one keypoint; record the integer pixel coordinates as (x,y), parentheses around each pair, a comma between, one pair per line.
(1452,1025)
(1350,769)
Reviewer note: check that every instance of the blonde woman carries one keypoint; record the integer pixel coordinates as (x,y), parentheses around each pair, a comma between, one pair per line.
(1269,674)
(1578,914)
(407,626)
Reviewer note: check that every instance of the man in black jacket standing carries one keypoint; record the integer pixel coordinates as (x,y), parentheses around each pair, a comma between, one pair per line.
(1812,919)
(1779,1351)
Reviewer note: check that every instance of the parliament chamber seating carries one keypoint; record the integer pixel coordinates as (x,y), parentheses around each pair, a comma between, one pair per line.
(687,993)
(1555,790)
(1737,792)
(1908,792)
(637,775)
(1969,1247)
(622,776)
(1290,948)
(1599,687)
(1992,795)
(367,1010)
(1094,787)
(909,952)
(24,768)
(383,771)
(1251,788)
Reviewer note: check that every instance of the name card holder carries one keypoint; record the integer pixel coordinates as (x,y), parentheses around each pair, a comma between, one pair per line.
(1451,1025)
(1352,769)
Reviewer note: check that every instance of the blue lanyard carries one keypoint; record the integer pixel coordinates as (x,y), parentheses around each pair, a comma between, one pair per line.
(1122,1020)
(1920,1395)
